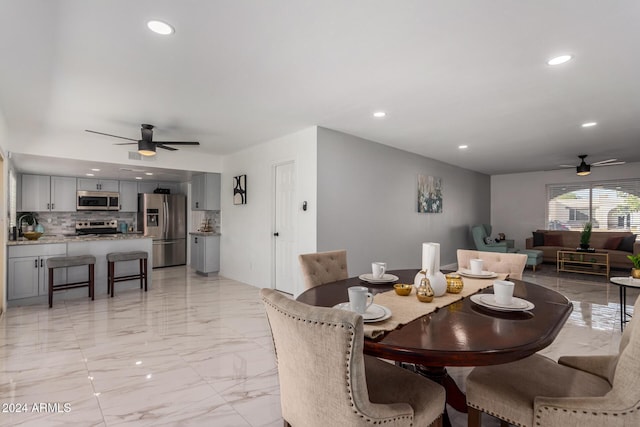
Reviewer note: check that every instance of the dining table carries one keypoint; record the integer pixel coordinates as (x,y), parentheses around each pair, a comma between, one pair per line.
(457,332)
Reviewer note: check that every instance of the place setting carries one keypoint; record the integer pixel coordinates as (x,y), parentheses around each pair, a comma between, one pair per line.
(361,302)
(476,271)
(502,299)
(378,274)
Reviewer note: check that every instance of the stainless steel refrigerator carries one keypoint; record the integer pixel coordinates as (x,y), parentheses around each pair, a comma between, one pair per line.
(163,217)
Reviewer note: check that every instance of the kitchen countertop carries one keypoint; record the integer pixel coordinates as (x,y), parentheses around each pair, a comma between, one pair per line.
(72,239)
(204,233)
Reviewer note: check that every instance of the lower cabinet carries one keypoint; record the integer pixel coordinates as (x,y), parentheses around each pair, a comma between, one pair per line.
(205,253)
(28,275)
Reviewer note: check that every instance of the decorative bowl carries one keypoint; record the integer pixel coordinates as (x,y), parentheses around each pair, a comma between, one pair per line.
(32,235)
(403,289)
(454,283)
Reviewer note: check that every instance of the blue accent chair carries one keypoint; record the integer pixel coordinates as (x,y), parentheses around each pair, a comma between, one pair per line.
(481,232)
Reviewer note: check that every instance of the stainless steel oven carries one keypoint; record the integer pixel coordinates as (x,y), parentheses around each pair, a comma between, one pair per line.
(97,201)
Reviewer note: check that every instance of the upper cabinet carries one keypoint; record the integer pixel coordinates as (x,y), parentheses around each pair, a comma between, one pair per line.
(43,193)
(128,196)
(92,184)
(205,192)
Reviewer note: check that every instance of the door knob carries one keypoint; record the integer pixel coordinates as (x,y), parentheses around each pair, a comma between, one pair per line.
(276,234)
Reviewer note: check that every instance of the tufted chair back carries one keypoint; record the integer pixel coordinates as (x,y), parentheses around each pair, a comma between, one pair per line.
(322,372)
(495,261)
(323,267)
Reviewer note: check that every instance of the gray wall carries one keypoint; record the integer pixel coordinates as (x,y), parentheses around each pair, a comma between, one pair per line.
(367,203)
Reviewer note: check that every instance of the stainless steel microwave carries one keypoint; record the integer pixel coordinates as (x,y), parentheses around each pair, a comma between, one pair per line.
(97,201)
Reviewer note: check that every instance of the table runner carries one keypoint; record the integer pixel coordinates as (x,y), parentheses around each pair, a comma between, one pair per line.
(404,309)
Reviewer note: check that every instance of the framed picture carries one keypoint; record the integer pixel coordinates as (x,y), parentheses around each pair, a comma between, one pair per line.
(429,194)
(240,190)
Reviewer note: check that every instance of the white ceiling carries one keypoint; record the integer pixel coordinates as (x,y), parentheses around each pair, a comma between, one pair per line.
(237,73)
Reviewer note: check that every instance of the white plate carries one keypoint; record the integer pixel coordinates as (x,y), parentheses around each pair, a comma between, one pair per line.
(484,275)
(488,301)
(375,313)
(386,278)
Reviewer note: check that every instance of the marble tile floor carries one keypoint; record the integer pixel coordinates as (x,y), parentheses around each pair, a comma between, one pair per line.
(194,351)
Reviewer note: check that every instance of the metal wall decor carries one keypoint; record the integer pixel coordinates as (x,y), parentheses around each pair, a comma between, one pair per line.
(240,190)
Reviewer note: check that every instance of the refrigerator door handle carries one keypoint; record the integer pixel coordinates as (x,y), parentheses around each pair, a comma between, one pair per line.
(165,206)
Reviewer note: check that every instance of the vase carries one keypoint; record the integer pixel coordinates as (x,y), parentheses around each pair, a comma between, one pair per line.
(431,264)
(584,246)
(635,273)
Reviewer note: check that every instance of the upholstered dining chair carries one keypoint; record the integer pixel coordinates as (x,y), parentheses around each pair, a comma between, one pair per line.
(323,267)
(585,391)
(513,264)
(326,380)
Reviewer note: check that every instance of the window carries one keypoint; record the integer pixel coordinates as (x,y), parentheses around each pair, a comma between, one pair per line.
(609,205)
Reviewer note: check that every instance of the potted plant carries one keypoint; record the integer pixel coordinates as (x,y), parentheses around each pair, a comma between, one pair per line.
(585,236)
(635,271)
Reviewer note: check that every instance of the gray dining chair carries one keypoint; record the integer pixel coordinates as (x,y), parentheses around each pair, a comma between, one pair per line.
(578,391)
(326,380)
(323,267)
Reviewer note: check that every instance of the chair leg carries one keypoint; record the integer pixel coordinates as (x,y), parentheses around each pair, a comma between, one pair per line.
(111,274)
(473,417)
(534,268)
(146,273)
(141,272)
(50,287)
(91,281)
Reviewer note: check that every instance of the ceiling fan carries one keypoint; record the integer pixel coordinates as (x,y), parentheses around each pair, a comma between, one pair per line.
(146,145)
(584,169)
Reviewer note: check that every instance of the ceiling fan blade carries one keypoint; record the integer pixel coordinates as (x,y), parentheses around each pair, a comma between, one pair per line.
(607,164)
(126,143)
(566,166)
(165,147)
(601,162)
(108,134)
(177,142)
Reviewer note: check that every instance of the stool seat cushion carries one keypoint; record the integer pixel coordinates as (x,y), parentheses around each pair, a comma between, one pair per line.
(534,256)
(70,261)
(126,256)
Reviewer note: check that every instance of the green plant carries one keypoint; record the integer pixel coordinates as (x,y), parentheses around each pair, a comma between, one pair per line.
(585,236)
(635,259)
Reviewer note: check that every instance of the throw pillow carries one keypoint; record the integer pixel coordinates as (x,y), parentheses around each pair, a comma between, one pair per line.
(553,240)
(626,244)
(613,242)
(490,240)
(538,238)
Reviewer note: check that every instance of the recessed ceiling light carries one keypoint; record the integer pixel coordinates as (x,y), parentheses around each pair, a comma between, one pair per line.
(148,173)
(463,147)
(95,170)
(89,174)
(138,177)
(559,60)
(379,114)
(589,124)
(160,27)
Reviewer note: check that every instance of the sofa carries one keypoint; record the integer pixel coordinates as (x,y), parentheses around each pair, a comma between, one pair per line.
(618,244)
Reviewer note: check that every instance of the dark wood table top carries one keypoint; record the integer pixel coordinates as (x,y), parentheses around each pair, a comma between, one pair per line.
(463,333)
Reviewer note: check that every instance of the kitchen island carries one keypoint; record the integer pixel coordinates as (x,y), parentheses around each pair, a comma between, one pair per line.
(28,274)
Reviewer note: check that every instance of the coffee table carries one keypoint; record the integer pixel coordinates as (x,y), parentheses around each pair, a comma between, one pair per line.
(623,283)
(584,262)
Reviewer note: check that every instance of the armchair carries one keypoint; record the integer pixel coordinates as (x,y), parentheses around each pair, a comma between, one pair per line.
(481,232)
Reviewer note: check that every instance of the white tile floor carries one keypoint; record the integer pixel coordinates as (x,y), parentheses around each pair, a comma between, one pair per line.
(193,351)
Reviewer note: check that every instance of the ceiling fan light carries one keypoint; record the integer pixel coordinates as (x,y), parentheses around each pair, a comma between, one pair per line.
(146,148)
(583,169)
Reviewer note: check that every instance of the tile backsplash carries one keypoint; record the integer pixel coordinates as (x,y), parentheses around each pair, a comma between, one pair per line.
(199,218)
(65,222)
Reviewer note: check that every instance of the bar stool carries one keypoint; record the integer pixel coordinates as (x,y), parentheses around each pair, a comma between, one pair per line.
(71,261)
(114,257)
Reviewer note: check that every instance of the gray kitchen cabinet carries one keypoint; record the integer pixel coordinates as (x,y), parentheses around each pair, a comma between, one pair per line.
(205,254)
(92,184)
(41,193)
(205,192)
(128,196)
(28,275)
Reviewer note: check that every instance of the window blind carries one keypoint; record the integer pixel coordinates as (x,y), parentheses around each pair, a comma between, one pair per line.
(609,205)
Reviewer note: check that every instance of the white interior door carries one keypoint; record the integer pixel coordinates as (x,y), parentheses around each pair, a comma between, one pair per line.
(284,231)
